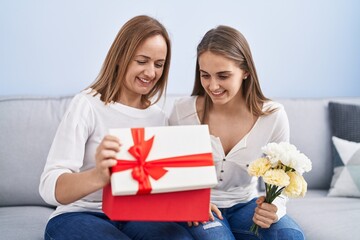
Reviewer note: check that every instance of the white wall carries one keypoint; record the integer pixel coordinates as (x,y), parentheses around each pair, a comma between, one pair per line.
(301,48)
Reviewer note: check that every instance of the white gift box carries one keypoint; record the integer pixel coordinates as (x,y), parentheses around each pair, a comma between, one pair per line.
(169,143)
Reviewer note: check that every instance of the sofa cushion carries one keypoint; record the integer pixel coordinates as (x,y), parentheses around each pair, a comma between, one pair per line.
(345,129)
(28,126)
(346,179)
(323,217)
(345,121)
(24,223)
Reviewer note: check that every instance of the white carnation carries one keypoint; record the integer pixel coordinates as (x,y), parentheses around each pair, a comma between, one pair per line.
(288,155)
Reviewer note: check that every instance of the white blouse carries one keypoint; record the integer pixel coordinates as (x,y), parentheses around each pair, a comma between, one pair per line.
(81,130)
(235,185)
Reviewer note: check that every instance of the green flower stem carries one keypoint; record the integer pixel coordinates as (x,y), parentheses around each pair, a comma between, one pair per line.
(271,192)
(255,229)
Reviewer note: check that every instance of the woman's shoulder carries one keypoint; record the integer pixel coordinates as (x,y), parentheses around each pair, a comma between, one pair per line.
(272,106)
(185,100)
(81,99)
(277,113)
(186,103)
(85,100)
(184,110)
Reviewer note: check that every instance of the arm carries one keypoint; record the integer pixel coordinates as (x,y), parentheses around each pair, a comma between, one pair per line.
(63,179)
(74,186)
(281,131)
(265,213)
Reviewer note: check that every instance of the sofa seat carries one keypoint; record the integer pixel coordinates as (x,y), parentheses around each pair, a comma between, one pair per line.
(24,222)
(28,125)
(319,214)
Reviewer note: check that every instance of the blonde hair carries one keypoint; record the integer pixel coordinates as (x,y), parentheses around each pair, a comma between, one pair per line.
(110,81)
(230,43)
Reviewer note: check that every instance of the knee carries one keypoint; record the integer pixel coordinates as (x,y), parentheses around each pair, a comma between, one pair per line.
(290,234)
(211,230)
(170,231)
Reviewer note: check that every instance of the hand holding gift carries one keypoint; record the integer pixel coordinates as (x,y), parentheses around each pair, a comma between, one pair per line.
(281,169)
(106,157)
(159,170)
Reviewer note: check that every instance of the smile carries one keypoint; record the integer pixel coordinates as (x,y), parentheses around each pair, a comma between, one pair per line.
(218,93)
(143,80)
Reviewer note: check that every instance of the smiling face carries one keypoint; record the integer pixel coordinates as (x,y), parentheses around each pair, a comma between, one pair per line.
(144,70)
(221,77)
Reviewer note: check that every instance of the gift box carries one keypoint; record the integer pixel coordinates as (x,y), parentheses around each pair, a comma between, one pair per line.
(162,174)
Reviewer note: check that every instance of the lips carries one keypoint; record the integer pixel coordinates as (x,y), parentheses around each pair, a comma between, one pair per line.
(143,80)
(217,93)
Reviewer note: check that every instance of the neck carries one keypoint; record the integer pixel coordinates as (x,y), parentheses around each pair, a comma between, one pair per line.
(235,106)
(132,101)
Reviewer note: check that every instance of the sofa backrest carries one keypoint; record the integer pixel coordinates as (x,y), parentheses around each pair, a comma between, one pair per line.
(27,127)
(310,132)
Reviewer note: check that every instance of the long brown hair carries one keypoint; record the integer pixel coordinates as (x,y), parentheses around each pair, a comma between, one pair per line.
(110,81)
(230,43)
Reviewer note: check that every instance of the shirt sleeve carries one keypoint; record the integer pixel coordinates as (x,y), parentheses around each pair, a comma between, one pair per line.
(280,203)
(282,128)
(173,117)
(66,154)
(281,134)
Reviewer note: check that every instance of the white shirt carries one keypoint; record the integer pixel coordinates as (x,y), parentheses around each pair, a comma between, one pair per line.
(235,184)
(81,130)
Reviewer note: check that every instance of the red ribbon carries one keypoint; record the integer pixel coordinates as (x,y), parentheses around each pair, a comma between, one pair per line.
(141,169)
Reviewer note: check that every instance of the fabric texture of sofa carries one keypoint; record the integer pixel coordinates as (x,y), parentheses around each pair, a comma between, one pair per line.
(28,125)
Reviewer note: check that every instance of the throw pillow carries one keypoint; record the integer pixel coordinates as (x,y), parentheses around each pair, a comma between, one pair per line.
(345,121)
(345,124)
(346,179)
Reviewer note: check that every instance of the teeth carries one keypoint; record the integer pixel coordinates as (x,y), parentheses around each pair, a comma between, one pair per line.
(144,80)
(217,93)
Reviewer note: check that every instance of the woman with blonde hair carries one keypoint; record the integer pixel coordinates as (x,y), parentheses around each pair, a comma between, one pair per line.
(228,98)
(134,72)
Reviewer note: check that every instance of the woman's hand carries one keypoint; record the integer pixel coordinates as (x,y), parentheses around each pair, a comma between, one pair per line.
(212,208)
(71,187)
(106,157)
(265,213)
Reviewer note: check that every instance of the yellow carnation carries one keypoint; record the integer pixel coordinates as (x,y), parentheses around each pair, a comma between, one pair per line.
(304,187)
(259,167)
(276,177)
(297,186)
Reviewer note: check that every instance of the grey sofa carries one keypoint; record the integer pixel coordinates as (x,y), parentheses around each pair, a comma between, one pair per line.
(28,125)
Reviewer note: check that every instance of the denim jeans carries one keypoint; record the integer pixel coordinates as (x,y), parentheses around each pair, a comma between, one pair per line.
(237,222)
(95,226)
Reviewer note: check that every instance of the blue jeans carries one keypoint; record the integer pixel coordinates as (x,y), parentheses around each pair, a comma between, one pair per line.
(95,226)
(237,222)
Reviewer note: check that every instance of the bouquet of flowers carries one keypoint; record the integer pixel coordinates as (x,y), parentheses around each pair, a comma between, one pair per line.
(281,168)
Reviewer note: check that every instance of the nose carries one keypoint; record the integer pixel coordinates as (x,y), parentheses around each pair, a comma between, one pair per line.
(150,71)
(213,84)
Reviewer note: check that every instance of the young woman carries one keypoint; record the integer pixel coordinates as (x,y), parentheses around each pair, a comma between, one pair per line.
(135,70)
(228,98)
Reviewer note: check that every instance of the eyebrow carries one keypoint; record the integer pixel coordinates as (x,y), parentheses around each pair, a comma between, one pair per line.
(147,57)
(144,56)
(222,72)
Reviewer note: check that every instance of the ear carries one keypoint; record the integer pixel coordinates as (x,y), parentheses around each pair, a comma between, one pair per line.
(246,75)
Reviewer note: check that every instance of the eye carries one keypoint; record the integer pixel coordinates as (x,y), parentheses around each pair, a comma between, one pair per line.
(205,76)
(223,77)
(141,62)
(159,65)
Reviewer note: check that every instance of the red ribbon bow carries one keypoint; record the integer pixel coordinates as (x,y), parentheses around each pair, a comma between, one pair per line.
(142,169)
